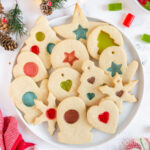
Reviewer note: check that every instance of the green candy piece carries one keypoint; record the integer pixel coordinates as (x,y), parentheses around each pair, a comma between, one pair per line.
(40,36)
(66,85)
(146,38)
(115,6)
(28,99)
(90,96)
(50,47)
(80,33)
(147,6)
(104,41)
(114,69)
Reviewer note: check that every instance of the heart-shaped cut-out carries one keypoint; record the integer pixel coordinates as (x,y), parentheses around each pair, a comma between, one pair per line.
(119,93)
(104,117)
(90,96)
(66,85)
(91,80)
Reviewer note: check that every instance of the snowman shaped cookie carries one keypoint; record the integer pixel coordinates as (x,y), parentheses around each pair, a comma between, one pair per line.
(91,78)
(23,91)
(69,53)
(113,60)
(63,82)
(30,65)
(72,122)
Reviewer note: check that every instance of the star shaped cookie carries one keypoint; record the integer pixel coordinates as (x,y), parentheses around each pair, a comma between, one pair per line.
(119,92)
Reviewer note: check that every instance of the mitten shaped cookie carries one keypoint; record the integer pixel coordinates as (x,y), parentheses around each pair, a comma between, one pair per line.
(63,82)
(91,78)
(113,60)
(69,53)
(23,91)
(30,65)
(48,113)
(72,122)
(104,117)
(41,41)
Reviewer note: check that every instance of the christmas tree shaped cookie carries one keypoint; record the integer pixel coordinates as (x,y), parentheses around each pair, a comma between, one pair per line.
(80,27)
(72,122)
(30,65)
(91,78)
(41,41)
(48,113)
(101,38)
(23,91)
(113,60)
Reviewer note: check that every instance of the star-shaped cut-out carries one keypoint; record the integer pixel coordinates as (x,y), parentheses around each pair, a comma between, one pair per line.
(80,33)
(115,69)
(119,92)
(70,58)
(48,113)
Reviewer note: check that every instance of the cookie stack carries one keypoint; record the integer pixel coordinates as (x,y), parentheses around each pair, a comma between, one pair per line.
(56,79)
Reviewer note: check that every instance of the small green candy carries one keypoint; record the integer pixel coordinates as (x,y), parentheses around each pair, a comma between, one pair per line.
(66,85)
(115,6)
(147,6)
(90,96)
(40,36)
(145,38)
(50,47)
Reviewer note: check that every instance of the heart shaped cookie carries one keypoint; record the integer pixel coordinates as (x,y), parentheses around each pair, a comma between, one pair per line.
(104,117)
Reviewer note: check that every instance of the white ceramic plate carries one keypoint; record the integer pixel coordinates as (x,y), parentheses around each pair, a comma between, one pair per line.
(129,110)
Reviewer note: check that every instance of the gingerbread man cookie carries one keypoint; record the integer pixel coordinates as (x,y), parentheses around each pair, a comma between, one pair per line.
(48,113)
(69,53)
(30,65)
(101,38)
(63,82)
(80,27)
(91,78)
(119,92)
(104,117)
(113,60)
(23,91)
(72,122)
(41,41)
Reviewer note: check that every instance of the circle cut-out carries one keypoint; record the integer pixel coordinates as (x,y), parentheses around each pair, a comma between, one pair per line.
(35,49)
(51,113)
(40,36)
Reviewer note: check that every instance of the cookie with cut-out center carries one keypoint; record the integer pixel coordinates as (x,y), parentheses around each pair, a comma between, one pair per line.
(30,65)
(113,60)
(41,41)
(101,38)
(79,28)
(63,82)
(72,122)
(69,53)
(91,78)
(104,117)
(23,91)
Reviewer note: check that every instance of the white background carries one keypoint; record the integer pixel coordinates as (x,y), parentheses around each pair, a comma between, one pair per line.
(140,126)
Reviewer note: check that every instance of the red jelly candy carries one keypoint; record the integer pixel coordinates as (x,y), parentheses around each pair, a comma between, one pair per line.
(128,20)
(142,2)
(35,49)
(30,69)
(104,117)
(51,113)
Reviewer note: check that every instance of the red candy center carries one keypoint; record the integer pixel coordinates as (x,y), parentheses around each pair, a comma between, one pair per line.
(30,69)
(35,49)
(51,113)
(104,117)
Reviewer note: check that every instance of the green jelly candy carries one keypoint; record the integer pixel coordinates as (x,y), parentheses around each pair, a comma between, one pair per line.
(50,47)
(28,99)
(147,6)
(90,96)
(66,85)
(115,6)
(104,41)
(146,38)
(40,36)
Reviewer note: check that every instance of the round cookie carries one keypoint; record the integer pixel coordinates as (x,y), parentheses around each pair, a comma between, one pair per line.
(63,82)
(101,38)
(69,53)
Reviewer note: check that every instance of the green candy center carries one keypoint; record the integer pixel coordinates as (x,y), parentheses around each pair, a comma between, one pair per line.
(66,85)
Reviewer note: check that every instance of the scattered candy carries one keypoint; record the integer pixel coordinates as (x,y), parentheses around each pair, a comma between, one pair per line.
(4,20)
(147,6)
(142,2)
(115,6)
(128,20)
(146,38)
(49,3)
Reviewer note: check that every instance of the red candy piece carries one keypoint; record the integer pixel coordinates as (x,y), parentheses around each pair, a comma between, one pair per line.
(51,113)
(104,117)
(128,20)
(30,69)
(4,20)
(142,2)
(35,49)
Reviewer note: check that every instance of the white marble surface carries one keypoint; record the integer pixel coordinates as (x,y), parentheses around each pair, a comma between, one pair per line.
(140,126)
